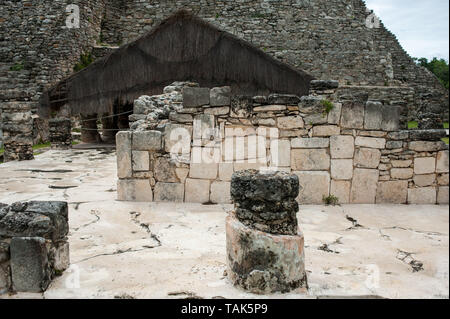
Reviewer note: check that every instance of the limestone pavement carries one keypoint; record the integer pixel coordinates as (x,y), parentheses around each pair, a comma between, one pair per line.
(166,250)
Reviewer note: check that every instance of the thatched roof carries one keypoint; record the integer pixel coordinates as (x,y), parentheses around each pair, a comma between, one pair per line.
(181,48)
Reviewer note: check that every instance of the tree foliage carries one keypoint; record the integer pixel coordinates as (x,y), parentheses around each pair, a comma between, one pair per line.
(438,67)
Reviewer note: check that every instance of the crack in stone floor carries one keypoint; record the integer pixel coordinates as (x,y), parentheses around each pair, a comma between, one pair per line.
(116,256)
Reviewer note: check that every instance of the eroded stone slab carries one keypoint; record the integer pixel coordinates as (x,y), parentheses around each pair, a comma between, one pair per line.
(310,159)
(367,158)
(364,186)
(313,187)
(134,190)
(342,146)
(442,163)
(424,165)
(422,195)
(29,264)
(169,192)
(342,169)
(220,192)
(197,190)
(393,192)
(341,189)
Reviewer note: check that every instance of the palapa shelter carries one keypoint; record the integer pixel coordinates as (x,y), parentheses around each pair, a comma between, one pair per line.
(181,48)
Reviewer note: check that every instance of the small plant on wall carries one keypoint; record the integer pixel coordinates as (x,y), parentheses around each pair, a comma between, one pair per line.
(328,106)
(330,200)
(85,60)
(18,66)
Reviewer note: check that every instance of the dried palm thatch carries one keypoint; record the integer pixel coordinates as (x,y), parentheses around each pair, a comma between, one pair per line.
(181,48)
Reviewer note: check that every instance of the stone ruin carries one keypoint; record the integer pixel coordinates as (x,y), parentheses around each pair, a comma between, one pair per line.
(60,133)
(185,144)
(34,247)
(326,38)
(265,248)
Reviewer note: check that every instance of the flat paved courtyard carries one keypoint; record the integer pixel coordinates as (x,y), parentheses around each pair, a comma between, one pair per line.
(166,250)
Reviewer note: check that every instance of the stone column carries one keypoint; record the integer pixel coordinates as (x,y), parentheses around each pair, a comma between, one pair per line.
(60,133)
(265,248)
(89,132)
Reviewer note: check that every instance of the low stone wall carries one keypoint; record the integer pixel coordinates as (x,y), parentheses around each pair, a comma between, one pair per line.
(60,133)
(187,143)
(33,245)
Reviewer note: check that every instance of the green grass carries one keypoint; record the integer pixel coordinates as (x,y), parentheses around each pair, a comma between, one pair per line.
(413,125)
(446,125)
(75,143)
(2,150)
(39,146)
(445,139)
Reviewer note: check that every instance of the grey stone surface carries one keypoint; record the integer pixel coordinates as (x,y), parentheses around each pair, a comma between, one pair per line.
(425,146)
(442,162)
(342,146)
(220,96)
(422,195)
(427,135)
(165,170)
(391,118)
(29,264)
(197,190)
(193,96)
(123,151)
(169,192)
(30,219)
(352,115)
(373,116)
(324,84)
(364,186)
(310,159)
(266,201)
(314,142)
(134,190)
(287,99)
(367,157)
(393,192)
(147,141)
(264,263)
(314,186)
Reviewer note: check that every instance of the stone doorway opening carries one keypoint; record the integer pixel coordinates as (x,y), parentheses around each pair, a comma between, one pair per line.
(102,128)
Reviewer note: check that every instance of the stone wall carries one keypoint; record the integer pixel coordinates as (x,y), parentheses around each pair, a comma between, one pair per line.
(186,144)
(328,39)
(33,245)
(38,50)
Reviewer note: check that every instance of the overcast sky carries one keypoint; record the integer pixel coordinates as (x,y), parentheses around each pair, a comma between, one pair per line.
(421,26)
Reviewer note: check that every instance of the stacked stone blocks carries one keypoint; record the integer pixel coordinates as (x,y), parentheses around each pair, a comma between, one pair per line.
(33,245)
(354,151)
(265,248)
(60,133)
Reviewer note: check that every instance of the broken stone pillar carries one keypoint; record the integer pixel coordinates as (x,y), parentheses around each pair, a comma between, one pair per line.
(60,133)
(33,245)
(89,130)
(265,248)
